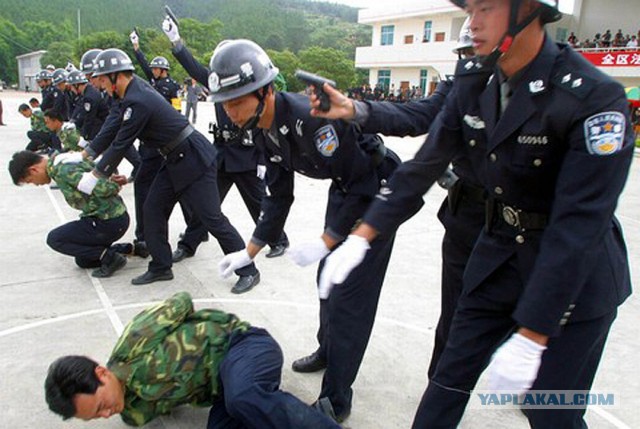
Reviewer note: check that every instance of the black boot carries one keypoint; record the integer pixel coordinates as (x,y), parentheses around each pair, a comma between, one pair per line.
(111,262)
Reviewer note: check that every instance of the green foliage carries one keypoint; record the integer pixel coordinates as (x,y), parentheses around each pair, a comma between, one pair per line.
(329,63)
(288,63)
(285,27)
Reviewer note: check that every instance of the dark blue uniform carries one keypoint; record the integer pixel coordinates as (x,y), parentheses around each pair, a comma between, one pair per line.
(188,173)
(461,213)
(552,258)
(238,158)
(90,112)
(54,99)
(356,164)
(167,87)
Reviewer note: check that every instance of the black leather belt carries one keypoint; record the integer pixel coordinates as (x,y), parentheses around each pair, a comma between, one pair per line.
(502,214)
(169,147)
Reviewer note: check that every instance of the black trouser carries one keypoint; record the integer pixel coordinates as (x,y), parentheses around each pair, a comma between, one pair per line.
(88,239)
(252,191)
(202,197)
(251,397)
(144,177)
(482,321)
(39,140)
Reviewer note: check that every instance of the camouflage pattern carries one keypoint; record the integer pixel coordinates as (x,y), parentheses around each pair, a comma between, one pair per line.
(103,203)
(69,139)
(169,355)
(37,121)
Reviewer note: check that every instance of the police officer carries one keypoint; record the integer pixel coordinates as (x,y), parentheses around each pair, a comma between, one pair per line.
(46,89)
(239,157)
(542,128)
(58,92)
(241,79)
(188,173)
(157,71)
(91,110)
(461,213)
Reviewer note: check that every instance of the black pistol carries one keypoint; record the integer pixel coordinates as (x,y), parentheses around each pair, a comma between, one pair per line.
(169,12)
(318,83)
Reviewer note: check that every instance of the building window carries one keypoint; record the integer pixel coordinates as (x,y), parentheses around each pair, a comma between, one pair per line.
(440,37)
(561,35)
(386,36)
(423,81)
(408,39)
(426,36)
(384,79)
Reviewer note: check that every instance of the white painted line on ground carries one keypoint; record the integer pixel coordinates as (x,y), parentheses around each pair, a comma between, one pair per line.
(608,417)
(102,295)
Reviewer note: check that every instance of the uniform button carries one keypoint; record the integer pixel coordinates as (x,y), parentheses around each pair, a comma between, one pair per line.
(498,190)
(302,172)
(182,155)
(493,157)
(519,239)
(537,162)
(472,143)
(339,179)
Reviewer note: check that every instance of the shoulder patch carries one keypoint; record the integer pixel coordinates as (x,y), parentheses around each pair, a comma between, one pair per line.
(326,140)
(604,133)
(573,82)
(127,114)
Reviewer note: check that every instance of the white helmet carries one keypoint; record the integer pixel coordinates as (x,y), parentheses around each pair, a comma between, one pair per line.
(465,39)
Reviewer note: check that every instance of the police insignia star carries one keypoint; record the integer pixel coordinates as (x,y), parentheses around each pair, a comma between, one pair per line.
(326,140)
(604,133)
(127,114)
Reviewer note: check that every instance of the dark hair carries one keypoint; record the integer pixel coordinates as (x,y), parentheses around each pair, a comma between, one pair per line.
(24,107)
(54,114)
(34,100)
(67,377)
(20,163)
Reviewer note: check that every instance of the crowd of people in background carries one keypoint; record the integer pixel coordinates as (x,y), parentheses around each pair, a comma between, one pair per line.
(605,40)
(382,92)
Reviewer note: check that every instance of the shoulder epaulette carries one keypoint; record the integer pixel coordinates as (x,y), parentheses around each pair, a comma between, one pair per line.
(471,66)
(573,82)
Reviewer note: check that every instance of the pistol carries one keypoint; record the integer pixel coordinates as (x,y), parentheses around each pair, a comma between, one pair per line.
(318,83)
(169,12)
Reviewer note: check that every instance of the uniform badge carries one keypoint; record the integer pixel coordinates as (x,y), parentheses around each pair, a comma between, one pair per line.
(604,133)
(474,122)
(87,107)
(326,140)
(299,127)
(536,86)
(284,130)
(127,114)
(214,82)
(276,158)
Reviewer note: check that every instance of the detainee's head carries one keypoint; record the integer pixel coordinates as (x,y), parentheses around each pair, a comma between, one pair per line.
(28,167)
(53,119)
(25,110)
(77,386)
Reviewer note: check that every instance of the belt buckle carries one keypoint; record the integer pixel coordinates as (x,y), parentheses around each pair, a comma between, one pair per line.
(511,216)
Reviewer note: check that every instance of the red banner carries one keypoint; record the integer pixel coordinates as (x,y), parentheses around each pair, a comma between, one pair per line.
(613,59)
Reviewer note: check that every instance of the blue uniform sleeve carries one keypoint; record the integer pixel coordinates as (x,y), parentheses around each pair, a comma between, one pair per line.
(144,64)
(190,64)
(275,204)
(134,118)
(406,119)
(107,133)
(586,194)
(411,180)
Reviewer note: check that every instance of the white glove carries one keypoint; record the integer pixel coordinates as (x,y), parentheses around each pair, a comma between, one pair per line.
(83,143)
(87,183)
(232,262)
(68,158)
(514,366)
(66,126)
(341,262)
(135,40)
(170,28)
(261,171)
(307,253)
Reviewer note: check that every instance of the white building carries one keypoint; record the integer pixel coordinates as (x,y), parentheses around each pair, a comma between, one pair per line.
(413,45)
(28,66)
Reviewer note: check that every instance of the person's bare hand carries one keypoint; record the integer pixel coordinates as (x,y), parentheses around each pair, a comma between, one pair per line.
(341,106)
(120,179)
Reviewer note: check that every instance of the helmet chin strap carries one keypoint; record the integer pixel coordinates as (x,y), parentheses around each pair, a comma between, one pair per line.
(514,28)
(261,94)
(113,78)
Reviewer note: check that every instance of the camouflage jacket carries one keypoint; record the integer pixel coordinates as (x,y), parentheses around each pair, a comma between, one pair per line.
(169,355)
(37,121)
(69,139)
(103,203)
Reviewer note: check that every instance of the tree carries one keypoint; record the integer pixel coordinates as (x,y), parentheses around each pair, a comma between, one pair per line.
(329,63)
(288,63)
(58,54)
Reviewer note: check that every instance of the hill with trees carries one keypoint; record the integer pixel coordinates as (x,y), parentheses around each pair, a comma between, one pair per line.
(317,36)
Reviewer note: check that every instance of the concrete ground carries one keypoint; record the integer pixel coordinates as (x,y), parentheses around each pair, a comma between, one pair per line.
(49,307)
